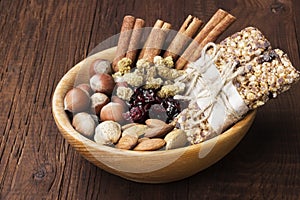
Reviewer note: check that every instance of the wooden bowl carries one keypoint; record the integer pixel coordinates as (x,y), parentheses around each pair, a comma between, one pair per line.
(148,167)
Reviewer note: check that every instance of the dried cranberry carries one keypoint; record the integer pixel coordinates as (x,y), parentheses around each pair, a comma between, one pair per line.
(157,111)
(127,116)
(145,103)
(138,114)
(172,107)
(149,96)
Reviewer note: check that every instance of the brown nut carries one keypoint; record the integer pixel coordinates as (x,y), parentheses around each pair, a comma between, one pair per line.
(126,126)
(142,139)
(112,111)
(84,124)
(155,123)
(176,139)
(85,87)
(76,100)
(150,144)
(127,142)
(158,131)
(103,83)
(100,66)
(98,100)
(116,99)
(136,130)
(107,132)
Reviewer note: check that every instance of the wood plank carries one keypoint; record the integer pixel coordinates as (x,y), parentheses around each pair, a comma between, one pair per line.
(41,40)
(46,52)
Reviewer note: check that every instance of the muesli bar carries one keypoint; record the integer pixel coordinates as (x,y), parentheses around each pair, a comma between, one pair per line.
(240,74)
(242,46)
(267,72)
(265,77)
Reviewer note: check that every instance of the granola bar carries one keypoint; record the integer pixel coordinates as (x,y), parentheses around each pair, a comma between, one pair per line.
(265,77)
(256,73)
(242,46)
(267,72)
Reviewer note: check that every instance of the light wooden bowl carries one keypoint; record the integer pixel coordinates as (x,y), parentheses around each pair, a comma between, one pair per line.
(149,167)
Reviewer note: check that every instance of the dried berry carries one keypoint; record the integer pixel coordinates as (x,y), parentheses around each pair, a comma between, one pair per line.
(172,107)
(145,104)
(138,114)
(157,111)
(267,57)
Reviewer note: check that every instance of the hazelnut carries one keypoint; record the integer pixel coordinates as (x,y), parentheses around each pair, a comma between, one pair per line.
(84,124)
(112,111)
(98,100)
(76,100)
(95,118)
(103,83)
(100,66)
(86,88)
(107,132)
(117,99)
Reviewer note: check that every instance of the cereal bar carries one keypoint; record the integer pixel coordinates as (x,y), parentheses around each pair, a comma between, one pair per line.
(242,46)
(241,73)
(265,77)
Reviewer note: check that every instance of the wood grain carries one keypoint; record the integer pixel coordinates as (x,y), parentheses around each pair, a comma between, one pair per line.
(41,40)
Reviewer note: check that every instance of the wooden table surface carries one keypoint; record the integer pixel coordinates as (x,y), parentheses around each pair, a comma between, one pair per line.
(41,40)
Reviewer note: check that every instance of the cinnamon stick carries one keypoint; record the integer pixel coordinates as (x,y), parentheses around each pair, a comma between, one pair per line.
(124,38)
(213,35)
(135,39)
(155,40)
(218,23)
(187,31)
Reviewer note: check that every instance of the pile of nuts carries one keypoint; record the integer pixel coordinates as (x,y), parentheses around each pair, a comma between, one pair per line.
(98,114)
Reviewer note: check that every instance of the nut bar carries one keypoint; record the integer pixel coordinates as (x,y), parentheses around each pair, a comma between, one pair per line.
(240,74)
(265,77)
(242,46)
(250,50)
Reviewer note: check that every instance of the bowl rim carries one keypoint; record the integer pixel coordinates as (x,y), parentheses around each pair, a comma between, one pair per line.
(66,129)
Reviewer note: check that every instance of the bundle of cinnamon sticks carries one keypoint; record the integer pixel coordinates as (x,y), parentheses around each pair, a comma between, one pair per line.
(185,47)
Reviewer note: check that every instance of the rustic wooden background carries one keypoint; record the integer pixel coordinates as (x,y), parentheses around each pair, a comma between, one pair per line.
(41,40)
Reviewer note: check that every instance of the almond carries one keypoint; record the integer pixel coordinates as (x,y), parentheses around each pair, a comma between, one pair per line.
(176,139)
(142,139)
(126,126)
(158,131)
(154,123)
(127,142)
(136,130)
(150,144)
